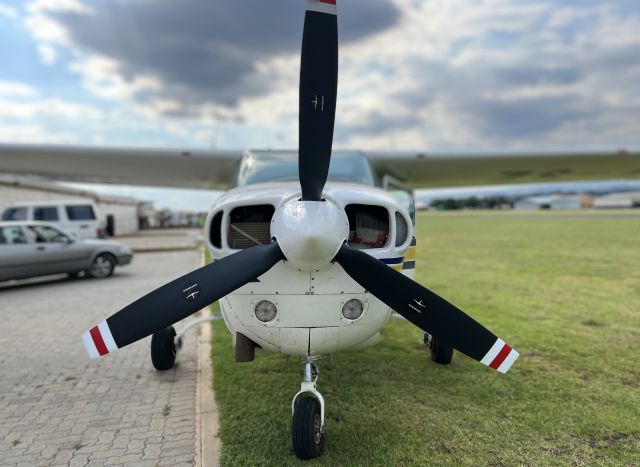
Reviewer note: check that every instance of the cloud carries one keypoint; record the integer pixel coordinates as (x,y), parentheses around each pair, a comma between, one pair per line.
(193,53)
(16,89)
(47,54)
(494,74)
(9,12)
(459,75)
(53,108)
(28,115)
(26,133)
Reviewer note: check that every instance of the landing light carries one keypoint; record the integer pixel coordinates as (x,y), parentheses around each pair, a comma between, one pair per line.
(265,311)
(352,309)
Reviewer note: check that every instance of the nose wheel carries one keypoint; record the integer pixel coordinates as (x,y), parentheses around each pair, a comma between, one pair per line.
(307,424)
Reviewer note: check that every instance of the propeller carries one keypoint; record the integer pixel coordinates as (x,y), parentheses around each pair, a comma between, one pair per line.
(426,310)
(318,89)
(309,233)
(180,298)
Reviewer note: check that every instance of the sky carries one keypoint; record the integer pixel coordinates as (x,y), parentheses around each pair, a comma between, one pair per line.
(460,75)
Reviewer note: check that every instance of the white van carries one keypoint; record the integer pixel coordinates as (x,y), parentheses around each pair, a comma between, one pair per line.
(79,217)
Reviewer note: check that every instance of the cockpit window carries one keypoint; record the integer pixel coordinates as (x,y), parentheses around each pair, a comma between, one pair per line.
(283,167)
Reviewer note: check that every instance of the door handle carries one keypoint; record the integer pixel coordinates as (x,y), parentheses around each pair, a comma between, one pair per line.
(40,248)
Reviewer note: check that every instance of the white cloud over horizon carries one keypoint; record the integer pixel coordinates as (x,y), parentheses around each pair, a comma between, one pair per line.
(460,75)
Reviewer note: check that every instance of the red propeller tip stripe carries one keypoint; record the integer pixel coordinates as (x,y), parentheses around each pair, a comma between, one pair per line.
(500,357)
(98,341)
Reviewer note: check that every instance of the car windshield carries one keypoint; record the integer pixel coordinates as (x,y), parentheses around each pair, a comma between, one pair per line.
(261,167)
(11,235)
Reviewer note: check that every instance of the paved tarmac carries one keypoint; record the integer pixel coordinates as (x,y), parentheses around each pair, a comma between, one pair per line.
(158,240)
(57,407)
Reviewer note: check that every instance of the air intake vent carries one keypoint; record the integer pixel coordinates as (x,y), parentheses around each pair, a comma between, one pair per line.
(215,231)
(368,226)
(250,225)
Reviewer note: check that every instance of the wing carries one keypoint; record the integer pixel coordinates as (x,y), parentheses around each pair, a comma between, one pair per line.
(211,169)
(214,169)
(431,170)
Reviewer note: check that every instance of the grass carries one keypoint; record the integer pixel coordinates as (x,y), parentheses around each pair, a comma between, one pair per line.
(563,291)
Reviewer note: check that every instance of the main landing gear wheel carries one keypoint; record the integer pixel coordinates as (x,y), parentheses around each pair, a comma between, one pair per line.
(163,348)
(307,421)
(440,352)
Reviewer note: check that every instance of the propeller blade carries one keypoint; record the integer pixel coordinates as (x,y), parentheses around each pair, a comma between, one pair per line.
(427,310)
(180,298)
(318,89)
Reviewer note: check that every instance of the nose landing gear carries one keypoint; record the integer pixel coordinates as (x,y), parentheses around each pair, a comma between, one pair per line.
(307,424)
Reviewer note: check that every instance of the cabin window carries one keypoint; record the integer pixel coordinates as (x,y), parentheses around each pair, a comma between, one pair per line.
(368,226)
(250,226)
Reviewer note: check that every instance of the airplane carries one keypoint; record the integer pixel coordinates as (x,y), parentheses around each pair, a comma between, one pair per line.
(309,258)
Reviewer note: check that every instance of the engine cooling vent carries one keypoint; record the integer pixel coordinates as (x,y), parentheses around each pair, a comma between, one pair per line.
(368,226)
(250,226)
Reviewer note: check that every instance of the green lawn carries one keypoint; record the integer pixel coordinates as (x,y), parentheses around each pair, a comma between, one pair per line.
(565,292)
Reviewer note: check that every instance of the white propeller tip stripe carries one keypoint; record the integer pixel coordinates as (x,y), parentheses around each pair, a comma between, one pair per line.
(89,346)
(493,352)
(107,337)
(322,7)
(506,364)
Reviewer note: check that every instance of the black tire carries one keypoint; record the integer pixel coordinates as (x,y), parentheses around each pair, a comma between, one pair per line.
(441,353)
(306,434)
(102,266)
(163,350)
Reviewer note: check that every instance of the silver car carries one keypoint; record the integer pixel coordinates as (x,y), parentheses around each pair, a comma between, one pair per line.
(29,249)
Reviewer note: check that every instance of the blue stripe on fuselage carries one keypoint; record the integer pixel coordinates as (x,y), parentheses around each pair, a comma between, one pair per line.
(392,260)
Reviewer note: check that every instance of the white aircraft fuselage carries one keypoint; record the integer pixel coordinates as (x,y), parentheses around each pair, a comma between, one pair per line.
(309,320)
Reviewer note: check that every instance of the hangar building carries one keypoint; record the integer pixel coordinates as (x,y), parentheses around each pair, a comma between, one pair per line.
(125,211)
(618,200)
(559,202)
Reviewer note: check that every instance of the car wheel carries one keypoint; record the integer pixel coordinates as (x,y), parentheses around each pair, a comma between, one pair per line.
(102,266)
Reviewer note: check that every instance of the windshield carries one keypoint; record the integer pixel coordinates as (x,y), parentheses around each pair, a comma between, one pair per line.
(280,167)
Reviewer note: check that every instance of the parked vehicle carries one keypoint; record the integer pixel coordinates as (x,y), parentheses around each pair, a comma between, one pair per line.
(29,249)
(79,217)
